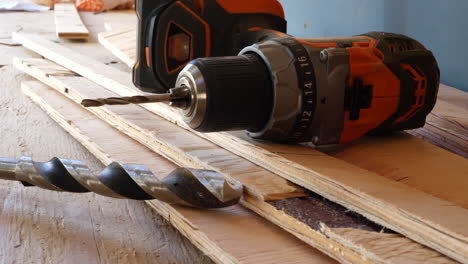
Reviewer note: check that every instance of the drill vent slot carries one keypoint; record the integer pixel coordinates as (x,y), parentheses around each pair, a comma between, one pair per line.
(400,46)
(420,83)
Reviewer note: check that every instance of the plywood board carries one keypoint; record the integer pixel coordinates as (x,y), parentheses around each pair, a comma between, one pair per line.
(411,161)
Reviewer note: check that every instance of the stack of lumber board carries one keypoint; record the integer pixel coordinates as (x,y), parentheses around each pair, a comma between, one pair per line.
(224,235)
(305,192)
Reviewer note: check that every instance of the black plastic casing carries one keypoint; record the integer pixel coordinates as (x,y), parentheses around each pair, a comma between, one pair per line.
(146,11)
(214,32)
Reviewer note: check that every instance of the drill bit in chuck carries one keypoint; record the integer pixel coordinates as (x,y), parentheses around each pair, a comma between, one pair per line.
(176,94)
(190,187)
(140,99)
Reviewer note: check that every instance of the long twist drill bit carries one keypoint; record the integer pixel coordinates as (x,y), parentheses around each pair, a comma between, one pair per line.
(139,99)
(176,96)
(190,187)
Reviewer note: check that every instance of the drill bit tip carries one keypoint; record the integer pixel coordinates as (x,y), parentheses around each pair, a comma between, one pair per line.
(91,103)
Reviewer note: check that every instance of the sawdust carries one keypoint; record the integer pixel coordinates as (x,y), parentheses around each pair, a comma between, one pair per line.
(314,210)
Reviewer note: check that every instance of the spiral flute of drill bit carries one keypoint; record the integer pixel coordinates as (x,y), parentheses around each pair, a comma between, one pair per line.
(139,99)
(175,95)
(190,187)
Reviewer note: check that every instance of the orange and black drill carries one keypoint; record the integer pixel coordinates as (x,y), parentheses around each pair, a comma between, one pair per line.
(234,67)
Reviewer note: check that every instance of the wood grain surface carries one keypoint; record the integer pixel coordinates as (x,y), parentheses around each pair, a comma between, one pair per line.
(121,43)
(447,125)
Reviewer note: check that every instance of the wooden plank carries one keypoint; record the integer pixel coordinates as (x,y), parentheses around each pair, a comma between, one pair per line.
(230,235)
(122,43)
(127,119)
(390,248)
(454,96)
(68,24)
(411,161)
(447,126)
(346,182)
(392,204)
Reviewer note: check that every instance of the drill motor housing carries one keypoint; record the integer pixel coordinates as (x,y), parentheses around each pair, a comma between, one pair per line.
(320,90)
(171,33)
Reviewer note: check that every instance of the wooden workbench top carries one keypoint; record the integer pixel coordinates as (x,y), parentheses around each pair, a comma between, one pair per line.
(42,226)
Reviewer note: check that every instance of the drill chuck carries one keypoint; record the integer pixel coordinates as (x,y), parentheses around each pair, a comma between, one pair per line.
(258,91)
(227,93)
(189,187)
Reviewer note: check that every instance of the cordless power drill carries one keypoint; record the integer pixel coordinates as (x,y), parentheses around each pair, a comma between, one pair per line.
(234,68)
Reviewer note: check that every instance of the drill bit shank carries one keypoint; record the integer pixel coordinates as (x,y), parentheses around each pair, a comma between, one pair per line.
(190,187)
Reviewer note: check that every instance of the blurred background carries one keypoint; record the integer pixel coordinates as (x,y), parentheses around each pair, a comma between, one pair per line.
(442,26)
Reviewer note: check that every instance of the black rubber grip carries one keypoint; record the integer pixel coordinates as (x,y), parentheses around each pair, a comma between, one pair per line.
(239,93)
